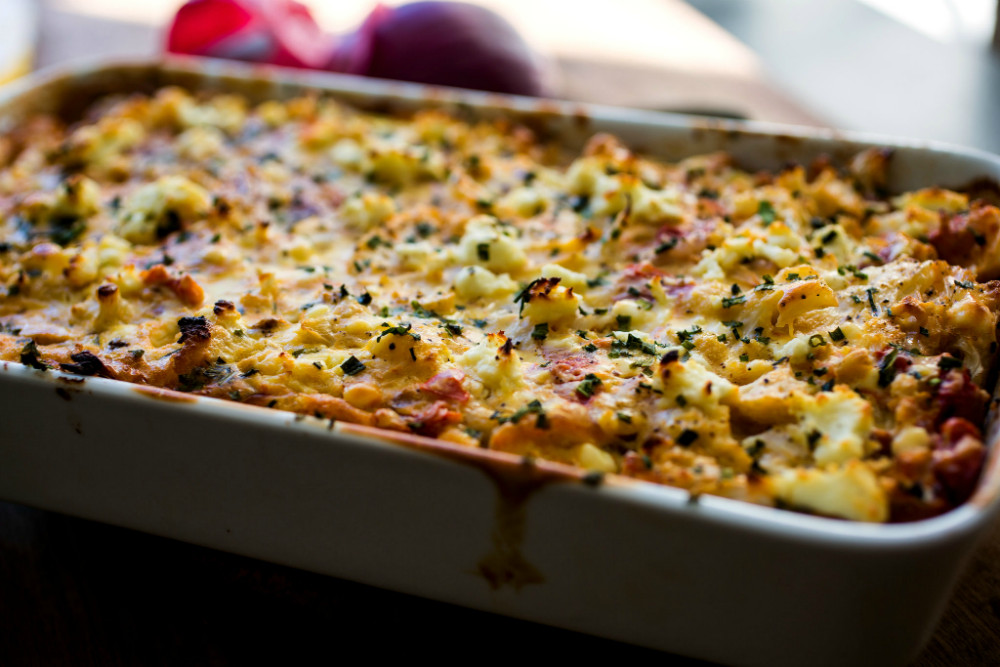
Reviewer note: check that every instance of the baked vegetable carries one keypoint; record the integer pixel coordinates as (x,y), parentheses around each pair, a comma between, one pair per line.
(795,338)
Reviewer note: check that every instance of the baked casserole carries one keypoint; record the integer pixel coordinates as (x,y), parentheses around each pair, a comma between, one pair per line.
(800,339)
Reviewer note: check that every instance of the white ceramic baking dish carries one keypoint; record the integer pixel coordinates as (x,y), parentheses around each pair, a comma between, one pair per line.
(711,578)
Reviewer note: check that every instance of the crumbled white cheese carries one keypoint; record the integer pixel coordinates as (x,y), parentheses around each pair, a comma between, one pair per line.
(474,282)
(489,243)
(850,492)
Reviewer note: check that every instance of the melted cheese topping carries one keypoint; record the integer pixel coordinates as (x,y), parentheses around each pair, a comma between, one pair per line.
(794,339)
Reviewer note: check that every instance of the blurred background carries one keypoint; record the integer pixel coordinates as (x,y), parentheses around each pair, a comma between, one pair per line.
(77,592)
(927,69)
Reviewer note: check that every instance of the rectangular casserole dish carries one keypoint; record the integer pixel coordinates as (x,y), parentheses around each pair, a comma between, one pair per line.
(716,579)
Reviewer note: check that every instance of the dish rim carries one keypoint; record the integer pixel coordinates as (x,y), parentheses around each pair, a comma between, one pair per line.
(790,525)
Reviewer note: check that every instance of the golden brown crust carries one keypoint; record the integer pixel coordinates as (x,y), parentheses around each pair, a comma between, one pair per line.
(795,338)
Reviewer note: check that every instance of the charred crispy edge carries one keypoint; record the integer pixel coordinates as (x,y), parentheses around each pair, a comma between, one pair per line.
(195,329)
(87,363)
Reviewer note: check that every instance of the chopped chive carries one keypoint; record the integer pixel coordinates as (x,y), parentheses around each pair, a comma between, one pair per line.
(588,386)
(766,212)
(871,299)
(946,363)
(687,437)
(352,366)
(887,368)
(729,302)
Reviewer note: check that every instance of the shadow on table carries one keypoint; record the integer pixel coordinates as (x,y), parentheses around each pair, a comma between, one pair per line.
(83,593)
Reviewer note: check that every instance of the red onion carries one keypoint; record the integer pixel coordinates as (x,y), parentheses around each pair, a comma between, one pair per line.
(443,43)
(277,32)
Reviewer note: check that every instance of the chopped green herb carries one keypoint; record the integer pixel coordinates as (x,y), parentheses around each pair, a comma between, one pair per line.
(588,386)
(534,407)
(422,312)
(541,331)
(871,299)
(812,439)
(946,363)
(837,335)
(887,368)
(666,246)
(483,252)
(399,330)
(376,241)
(816,340)
(766,212)
(67,230)
(689,334)
(687,437)
(352,366)
(730,301)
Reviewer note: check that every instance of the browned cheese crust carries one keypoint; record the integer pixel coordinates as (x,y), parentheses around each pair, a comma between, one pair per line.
(797,338)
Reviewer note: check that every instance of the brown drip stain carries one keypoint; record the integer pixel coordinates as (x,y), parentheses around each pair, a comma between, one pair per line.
(515,479)
(506,564)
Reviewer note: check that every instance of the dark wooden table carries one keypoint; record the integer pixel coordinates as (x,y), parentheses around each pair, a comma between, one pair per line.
(83,593)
